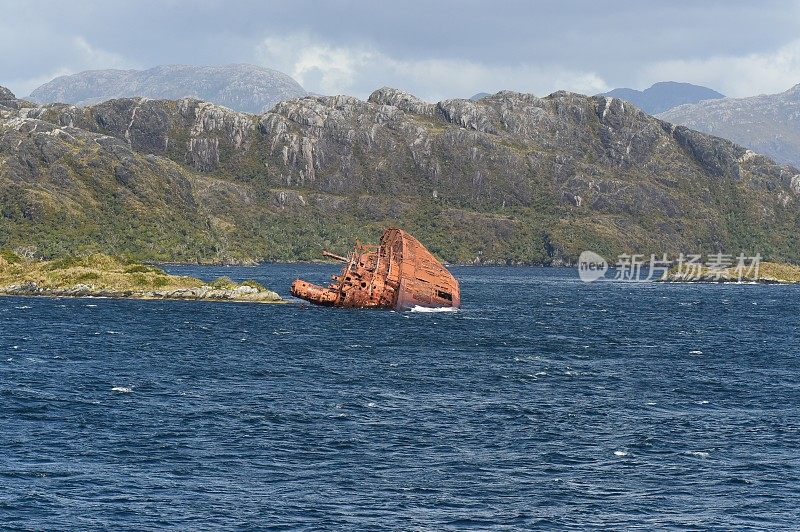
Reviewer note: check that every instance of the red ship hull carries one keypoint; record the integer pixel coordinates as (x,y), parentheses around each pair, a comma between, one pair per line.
(400,273)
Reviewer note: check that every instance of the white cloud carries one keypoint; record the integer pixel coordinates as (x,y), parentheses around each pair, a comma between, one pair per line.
(90,57)
(358,70)
(738,76)
(319,67)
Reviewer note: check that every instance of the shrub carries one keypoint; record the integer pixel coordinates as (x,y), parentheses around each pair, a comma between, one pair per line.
(142,268)
(95,261)
(139,279)
(9,256)
(223,282)
(254,284)
(159,281)
(88,276)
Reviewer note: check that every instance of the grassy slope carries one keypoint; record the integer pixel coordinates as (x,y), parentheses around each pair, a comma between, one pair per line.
(768,272)
(87,200)
(102,273)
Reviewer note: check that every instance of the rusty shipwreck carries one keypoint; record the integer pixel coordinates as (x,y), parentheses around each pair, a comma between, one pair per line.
(399,273)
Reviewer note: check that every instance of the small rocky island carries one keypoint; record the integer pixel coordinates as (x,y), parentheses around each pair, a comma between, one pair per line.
(104,276)
(767,273)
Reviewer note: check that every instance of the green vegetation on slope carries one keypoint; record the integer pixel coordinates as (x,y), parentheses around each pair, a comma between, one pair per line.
(509,179)
(767,272)
(100,274)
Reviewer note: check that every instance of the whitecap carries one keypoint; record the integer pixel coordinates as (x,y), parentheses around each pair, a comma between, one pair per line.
(702,402)
(695,352)
(23,307)
(91,306)
(122,389)
(620,453)
(699,454)
(417,308)
(371,405)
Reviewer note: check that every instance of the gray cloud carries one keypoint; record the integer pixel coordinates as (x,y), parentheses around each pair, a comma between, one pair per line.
(434,49)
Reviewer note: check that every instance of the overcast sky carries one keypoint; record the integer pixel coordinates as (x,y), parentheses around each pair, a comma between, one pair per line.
(433,49)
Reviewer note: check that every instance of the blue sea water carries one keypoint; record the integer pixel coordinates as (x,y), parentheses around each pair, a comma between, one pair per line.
(544,403)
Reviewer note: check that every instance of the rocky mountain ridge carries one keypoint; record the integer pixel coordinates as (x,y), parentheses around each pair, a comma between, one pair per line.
(509,178)
(242,87)
(768,124)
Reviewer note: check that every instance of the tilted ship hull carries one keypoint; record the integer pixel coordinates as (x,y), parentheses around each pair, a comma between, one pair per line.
(397,274)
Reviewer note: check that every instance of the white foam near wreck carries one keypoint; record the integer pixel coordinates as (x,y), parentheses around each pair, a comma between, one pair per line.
(418,308)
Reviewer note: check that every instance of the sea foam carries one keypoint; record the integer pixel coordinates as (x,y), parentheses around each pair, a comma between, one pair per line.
(417,308)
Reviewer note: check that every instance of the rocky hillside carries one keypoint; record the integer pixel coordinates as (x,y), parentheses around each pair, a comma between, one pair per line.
(768,124)
(511,177)
(664,95)
(246,88)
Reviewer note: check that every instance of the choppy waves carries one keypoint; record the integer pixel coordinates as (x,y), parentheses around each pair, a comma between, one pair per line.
(542,403)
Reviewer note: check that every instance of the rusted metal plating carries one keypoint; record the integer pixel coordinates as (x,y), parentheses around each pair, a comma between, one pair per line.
(398,274)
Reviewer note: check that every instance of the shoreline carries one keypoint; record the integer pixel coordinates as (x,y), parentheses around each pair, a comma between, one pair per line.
(729,281)
(202,294)
(317,262)
(125,298)
(102,276)
(766,273)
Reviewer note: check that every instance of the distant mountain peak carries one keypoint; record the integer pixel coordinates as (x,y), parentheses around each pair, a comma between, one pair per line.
(659,84)
(664,95)
(766,123)
(242,87)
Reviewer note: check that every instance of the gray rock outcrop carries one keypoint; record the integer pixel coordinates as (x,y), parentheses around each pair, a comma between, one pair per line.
(768,124)
(509,178)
